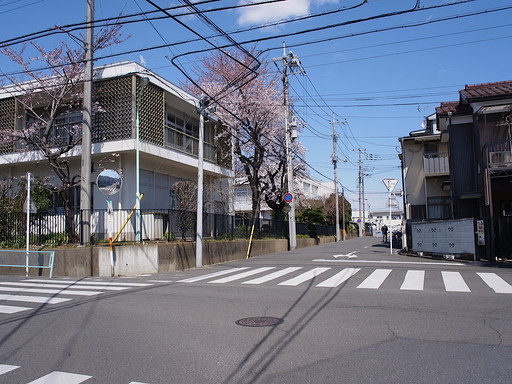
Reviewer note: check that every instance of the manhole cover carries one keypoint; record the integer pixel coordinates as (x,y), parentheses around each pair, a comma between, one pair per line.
(259,321)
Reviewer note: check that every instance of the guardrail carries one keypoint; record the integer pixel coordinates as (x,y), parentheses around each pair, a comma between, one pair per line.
(27,259)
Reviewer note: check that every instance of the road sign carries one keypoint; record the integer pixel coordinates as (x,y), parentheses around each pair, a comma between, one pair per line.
(390,184)
(29,206)
(288,197)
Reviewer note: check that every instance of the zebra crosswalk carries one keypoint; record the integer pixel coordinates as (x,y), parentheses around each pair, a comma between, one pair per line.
(368,279)
(31,292)
(55,377)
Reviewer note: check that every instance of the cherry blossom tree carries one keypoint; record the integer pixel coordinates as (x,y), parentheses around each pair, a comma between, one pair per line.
(252,108)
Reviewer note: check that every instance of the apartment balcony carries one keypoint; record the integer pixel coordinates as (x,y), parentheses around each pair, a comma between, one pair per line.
(436,164)
(499,154)
(188,144)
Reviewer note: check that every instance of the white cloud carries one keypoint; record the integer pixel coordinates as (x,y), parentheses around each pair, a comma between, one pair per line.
(271,12)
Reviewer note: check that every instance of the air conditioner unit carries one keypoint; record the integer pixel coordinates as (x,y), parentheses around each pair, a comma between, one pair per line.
(500,159)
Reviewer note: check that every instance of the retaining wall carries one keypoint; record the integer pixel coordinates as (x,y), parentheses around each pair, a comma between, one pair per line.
(153,258)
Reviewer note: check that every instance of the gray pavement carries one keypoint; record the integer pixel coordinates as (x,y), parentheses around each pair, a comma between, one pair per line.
(348,312)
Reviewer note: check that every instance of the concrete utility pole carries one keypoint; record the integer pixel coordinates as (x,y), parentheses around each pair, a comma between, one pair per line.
(363,202)
(203,105)
(334,159)
(290,61)
(361,191)
(85,184)
(343,211)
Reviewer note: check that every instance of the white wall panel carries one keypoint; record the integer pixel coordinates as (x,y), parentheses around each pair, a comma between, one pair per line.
(446,237)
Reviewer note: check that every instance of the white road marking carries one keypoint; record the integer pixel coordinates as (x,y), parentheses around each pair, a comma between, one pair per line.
(375,280)
(239,276)
(389,262)
(80,282)
(453,282)
(134,276)
(414,281)
(304,277)
(67,286)
(12,309)
(160,281)
(212,275)
(33,299)
(495,282)
(50,291)
(7,368)
(57,377)
(339,278)
(349,255)
(272,276)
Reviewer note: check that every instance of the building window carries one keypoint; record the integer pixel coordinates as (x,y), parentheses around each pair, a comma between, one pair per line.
(418,212)
(66,128)
(430,148)
(182,133)
(242,191)
(439,208)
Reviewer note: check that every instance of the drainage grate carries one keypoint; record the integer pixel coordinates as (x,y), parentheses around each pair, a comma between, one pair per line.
(259,321)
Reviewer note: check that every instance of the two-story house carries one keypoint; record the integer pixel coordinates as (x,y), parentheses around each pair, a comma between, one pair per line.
(140,115)
(460,167)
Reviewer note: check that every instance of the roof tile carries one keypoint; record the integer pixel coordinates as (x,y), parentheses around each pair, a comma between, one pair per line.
(454,107)
(478,91)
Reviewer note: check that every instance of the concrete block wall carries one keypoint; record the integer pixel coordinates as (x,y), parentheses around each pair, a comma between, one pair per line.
(153,258)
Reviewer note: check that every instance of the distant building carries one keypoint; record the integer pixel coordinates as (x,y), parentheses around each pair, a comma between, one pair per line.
(308,188)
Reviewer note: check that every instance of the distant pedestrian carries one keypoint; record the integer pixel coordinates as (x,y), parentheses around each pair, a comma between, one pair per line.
(384,230)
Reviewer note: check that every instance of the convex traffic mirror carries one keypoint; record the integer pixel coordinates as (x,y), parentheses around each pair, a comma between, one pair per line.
(109,182)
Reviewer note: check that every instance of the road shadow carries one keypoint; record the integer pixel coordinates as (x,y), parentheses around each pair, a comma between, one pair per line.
(252,369)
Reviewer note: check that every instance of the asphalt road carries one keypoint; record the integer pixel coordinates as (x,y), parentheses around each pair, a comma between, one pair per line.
(346,312)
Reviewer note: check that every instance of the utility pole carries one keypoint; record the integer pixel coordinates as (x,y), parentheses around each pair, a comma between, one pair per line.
(204,109)
(203,104)
(334,159)
(361,191)
(85,184)
(290,62)
(343,211)
(363,203)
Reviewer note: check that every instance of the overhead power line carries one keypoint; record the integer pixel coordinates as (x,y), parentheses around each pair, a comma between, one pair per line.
(123,19)
(253,41)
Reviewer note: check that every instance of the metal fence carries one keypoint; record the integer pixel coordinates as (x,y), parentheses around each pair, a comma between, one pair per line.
(54,228)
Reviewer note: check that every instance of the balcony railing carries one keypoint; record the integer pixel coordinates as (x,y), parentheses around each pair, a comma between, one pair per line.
(436,164)
(499,154)
(187,143)
(174,139)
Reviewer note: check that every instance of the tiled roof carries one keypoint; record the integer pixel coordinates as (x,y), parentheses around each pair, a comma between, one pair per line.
(488,90)
(454,107)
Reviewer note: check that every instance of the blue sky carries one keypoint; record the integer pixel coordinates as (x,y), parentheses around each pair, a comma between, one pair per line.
(379,68)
